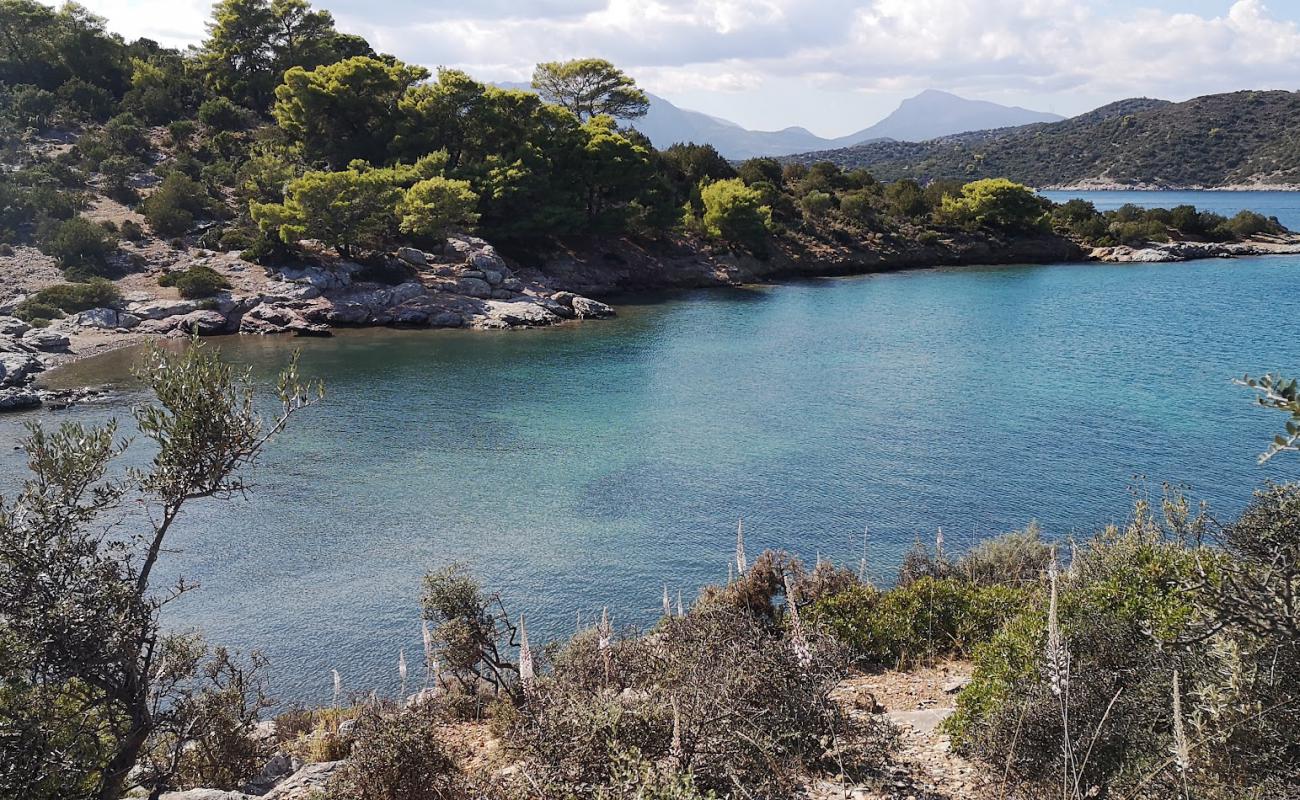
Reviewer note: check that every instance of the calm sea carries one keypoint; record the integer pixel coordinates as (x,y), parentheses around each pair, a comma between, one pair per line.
(592,465)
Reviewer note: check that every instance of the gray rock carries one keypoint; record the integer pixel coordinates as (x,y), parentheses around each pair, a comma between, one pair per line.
(45,339)
(15,368)
(127,320)
(285,293)
(137,297)
(18,400)
(304,783)
(515,314)
(404,292)
(474,287)
(321,278)
(161,309)
(275,315)
(204,323)
(207,794)
(301,327)
(512,284)
(486,258)
(98,318)
(493,277)
(411,316)
(446,319)
(280,767)
(348,314)
(586,308)
(412,256)
(564,298)
(12,326)
(956,684)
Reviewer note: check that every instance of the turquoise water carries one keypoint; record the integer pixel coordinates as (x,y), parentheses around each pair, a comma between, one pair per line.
(1284,205)
(590,465)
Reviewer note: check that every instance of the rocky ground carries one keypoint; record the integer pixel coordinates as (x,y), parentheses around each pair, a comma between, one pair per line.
(465,285)
(924,766)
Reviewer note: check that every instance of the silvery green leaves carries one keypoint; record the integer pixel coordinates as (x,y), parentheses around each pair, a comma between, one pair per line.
(1278,393)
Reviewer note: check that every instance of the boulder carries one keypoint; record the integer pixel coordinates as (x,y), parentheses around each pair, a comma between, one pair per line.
(412,256)
(412,316)
(15,368)
(564,298)
(12,326)
(285,293)
(207,794)
(306,783)
(204,323)
(281,766)
(404,292)
(301,327)
(275,315)
(493,276)
(348,314)
(127,320)
(486,259)
(161,309)
(474,287)
(446,319)
(98,318)
(47,340)
(18,400)
(319,277)
(586,308)
(515,314)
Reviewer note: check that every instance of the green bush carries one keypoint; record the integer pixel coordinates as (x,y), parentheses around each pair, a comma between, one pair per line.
(76,242)
(817,204)
(220,114)
(735,212)
(196,282)
(397,755)
(996,203)
(174,205)
(52,301)
(910,625)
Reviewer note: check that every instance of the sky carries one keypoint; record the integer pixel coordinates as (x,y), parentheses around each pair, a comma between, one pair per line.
(832,66)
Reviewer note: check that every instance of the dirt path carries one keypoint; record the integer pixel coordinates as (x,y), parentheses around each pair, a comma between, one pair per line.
(925,768)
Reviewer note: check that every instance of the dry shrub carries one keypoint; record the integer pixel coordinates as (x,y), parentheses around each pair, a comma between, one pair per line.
(1014,558)
(398,756)
(720,693)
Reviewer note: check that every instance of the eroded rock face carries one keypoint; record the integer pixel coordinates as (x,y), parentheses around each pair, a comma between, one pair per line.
(586,308)
(107,318)
(18,400)
(207,794)
(306,783)
(16,368)
(511,314)
(12,326)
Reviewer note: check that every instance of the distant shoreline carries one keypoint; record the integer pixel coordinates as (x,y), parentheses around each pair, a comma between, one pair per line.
(1103,186)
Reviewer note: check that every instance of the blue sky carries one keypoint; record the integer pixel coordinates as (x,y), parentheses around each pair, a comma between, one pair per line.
(833,66)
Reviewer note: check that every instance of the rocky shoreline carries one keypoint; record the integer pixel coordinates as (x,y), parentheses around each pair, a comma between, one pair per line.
(468,284)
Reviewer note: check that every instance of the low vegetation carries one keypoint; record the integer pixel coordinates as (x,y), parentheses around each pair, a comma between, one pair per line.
(195,282)
(54,301)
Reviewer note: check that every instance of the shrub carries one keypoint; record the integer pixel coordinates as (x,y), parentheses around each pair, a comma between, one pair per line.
(76,242)
(735,212)
(906,199)
(910,625)
(1248,223)
(219,113)
(817,204)
(197,282)
(131,231)
(1017,559)
(69,297)
(748,700)
(398,756)
(996,203)
(173,206)
(858,207)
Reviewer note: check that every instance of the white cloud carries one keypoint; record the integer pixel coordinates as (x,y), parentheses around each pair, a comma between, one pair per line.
(1028,51)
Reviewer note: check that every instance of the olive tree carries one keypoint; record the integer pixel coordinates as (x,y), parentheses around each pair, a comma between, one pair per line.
(89,675)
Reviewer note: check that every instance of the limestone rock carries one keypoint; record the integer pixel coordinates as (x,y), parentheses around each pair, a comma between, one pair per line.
(18,400)
(285,293)
(45,339)
(514,314)
(204,323)
(280,767)
(474,287)
(12,326)
(305,783)
(320,277)
(586,308)
(15,368)
(412,256)
(207,794)
(446,319)
(348,314)
(108,318)
(161,309)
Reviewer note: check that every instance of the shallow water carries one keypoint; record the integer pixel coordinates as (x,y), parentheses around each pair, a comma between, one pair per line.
(592,464)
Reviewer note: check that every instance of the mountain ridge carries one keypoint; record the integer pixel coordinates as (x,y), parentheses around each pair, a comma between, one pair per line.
(1233,139)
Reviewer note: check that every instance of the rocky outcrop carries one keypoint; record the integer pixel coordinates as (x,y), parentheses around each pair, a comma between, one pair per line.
(1161,252)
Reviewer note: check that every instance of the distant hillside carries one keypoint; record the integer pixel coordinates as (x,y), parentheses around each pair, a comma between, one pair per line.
(666,124)
(1216,140)
(933,113)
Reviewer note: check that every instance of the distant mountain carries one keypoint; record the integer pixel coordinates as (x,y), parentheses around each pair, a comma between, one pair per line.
(930,114)
(1215,140)
(933,113)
